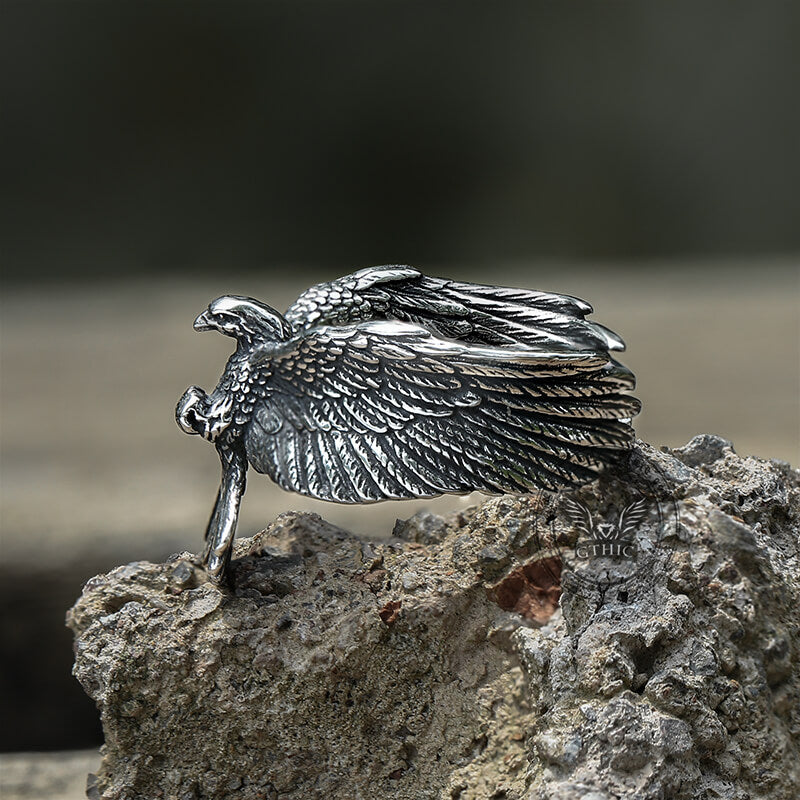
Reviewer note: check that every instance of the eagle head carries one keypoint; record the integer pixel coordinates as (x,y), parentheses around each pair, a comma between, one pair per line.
(244,319)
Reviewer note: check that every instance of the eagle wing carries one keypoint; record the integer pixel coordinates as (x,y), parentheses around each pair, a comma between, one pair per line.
(386,410)
(468,312)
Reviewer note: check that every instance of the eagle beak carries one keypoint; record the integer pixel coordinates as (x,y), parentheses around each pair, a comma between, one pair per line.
(203,322)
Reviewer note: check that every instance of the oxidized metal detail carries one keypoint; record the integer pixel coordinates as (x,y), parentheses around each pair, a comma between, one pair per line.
(388,384)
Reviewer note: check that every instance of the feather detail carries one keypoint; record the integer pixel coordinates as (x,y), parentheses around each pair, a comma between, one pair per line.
(468,312)
(435,415)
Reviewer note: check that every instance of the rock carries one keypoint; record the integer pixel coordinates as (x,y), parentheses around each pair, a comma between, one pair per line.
(504,651)
(423,527)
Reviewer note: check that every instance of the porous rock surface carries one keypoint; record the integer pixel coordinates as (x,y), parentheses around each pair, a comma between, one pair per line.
(471,656)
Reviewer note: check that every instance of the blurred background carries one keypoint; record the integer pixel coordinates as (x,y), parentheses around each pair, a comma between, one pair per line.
(641,155)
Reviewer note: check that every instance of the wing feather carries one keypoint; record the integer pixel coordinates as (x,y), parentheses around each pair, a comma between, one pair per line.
(551,471)
(469,312)
(439,464)
(386,410)
(361,477)
(341,486)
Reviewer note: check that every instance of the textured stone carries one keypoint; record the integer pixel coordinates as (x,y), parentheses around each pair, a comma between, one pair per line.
(443,663)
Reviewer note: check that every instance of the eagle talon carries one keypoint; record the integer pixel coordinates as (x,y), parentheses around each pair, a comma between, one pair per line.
(191,411)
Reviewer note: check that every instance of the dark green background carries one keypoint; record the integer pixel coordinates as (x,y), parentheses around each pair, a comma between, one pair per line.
(188,136)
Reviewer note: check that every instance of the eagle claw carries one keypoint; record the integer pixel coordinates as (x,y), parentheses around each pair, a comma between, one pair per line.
(191,412)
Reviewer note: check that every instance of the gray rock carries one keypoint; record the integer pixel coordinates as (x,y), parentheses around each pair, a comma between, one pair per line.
(445,664)
(703,449)
(423,527)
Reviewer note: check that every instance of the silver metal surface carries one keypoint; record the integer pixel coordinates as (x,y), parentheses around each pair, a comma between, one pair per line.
(388,384)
